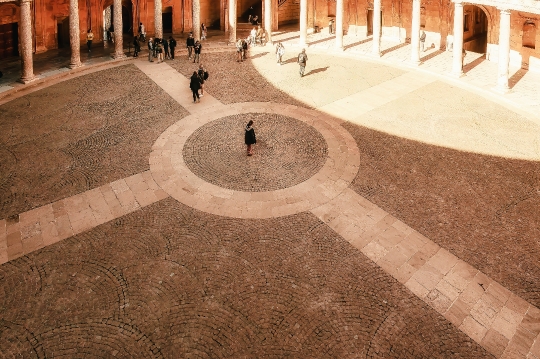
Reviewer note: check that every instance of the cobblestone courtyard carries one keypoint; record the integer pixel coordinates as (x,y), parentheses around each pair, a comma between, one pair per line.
(164,275)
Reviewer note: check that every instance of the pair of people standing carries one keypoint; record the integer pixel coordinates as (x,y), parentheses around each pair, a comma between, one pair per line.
(197,81)
(194,48)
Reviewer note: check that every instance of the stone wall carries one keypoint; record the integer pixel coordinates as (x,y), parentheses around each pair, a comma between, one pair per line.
(289,12)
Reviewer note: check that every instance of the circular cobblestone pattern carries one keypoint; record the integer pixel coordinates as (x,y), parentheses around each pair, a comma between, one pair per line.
(287,152)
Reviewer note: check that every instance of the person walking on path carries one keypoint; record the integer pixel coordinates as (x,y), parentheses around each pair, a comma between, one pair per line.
(197,49)
(302,60)
(280,51)
(240,50)
(172,46)
(422,41)
(249,138)
(89,39)
(167,54)
(253,36)
(136,46)
(150,50)
(203,76)
(190,44)
(195,85)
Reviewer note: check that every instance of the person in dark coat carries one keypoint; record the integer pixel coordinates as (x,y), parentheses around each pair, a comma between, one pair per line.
(190,44)
(137,46)
(172,46)
(197,49)
(250,138)
(167,54)
(195,85)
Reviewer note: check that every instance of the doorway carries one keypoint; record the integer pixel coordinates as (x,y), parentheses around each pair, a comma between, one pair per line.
(9,40)
(167,18)
(127,18)
(370,23)
(62,32)
(475,29)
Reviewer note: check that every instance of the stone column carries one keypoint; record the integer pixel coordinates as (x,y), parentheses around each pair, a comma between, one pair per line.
(158,20)
(504,50)
(268,16)
(74,34)
(118,36)
(376,28)
(232,22)
(339,24)
(26,42)
(457,62)
(415,33)
(303,22)
(196,16)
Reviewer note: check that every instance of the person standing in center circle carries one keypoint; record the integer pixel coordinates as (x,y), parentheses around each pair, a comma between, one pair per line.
(250,138)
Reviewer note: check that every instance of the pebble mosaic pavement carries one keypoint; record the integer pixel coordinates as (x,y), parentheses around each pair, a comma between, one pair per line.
(167,280)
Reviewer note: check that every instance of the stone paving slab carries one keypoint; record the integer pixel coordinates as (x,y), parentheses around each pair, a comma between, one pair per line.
(487,312)
(46,225)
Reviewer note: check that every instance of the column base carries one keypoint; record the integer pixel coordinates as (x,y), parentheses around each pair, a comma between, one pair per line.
(27,79)
(75,65)
(457,75)
(415,62)
(501,89)
(375,55)
(118,56)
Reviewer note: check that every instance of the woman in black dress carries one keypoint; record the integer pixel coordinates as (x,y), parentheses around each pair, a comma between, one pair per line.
(250,138)
(195,85)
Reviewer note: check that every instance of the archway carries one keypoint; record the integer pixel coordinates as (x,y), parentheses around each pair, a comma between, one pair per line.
(62,32)
(475,29)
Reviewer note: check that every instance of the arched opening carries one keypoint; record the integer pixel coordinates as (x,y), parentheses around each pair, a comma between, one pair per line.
(529,35)
(127,18)
(167,18)
(475,29)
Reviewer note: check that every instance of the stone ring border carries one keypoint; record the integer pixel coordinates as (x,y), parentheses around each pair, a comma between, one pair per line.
(172,174)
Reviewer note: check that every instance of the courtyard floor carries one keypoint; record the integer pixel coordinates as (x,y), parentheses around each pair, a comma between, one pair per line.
(388,212)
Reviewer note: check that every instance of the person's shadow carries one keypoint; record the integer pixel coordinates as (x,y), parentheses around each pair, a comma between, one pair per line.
(259,55)
(316,71)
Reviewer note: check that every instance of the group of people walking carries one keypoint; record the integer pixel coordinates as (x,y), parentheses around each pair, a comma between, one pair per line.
(196,83)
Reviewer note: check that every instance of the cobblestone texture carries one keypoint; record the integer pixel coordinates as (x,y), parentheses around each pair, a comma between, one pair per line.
(481,208)
(232,82)
(169,281)
(78,135)
(287,152)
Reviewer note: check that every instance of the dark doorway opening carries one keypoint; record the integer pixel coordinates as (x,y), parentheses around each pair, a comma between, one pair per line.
(62,32)
(9,40)
(167,18)
(370,23)
(127,18)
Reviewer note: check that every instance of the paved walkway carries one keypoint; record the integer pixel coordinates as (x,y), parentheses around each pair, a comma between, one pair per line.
(504,324)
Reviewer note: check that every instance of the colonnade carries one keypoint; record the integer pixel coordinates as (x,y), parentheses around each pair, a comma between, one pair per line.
(457,62)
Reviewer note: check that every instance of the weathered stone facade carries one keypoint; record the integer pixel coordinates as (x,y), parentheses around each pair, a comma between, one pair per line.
(50,21)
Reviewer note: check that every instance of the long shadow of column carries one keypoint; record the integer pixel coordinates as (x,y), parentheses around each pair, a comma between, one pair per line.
(516,77)
(471,65)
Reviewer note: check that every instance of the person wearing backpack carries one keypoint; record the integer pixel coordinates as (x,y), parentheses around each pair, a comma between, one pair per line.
(302,60)
(203,76)
(240,50)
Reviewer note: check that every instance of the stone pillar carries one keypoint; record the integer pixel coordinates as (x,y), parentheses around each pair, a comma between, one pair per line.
(376,28)
(118,36)
(504,50)
(232,21)
(415,33)
(74,34)
(457,62)
(303,22)
(196,16)
(268,18)
(158,20)
(26,43)
(339,24)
